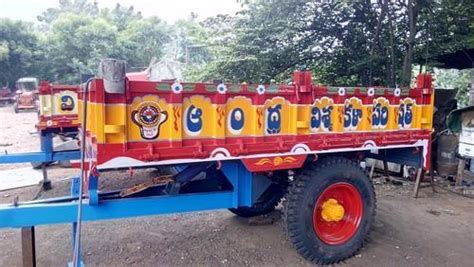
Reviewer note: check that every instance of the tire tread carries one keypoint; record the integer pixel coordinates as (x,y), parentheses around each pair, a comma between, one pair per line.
(294,199)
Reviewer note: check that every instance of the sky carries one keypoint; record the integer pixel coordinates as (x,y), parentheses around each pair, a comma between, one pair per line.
(168,10)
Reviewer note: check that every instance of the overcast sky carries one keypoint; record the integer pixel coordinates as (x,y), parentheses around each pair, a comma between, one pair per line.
(168,10)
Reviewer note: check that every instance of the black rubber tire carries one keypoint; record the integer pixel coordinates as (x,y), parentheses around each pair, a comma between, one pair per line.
(299,206)
(15,108)
(265,204)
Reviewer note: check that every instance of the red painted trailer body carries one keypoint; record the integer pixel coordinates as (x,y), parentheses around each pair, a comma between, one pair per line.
(267,126)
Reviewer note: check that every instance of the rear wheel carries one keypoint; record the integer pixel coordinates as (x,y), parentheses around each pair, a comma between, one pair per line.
(329,210)
(15,108)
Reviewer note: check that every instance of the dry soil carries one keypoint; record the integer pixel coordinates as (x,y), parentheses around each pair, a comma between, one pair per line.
(434,230)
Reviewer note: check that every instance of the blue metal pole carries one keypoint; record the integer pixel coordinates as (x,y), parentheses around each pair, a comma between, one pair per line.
(39,156)
(66,212)
(46,142)
(75,193)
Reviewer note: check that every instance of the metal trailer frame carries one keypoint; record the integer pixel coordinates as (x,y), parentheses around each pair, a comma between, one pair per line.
(245,188)
(46,154)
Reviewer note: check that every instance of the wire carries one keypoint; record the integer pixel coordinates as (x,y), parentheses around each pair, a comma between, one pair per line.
(77,238)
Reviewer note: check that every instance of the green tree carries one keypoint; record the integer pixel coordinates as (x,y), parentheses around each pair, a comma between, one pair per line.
(19,55)
(121,16)
(78,7)
(344,42)
(78,34)
(77,43)
(455,79)
(142,40)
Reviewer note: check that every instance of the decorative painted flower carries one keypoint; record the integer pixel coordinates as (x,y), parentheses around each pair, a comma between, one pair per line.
(176,88)
(341,91)
(221,88)
(371,91)
(397,92)
(261,89)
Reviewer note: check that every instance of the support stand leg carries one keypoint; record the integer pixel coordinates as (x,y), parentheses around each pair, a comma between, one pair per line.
(372,169)
(401,173)
(432,182)
(385,169)
(46,140)
(460,173)
(75,192)
(46,184)
(419,176)
(28,246)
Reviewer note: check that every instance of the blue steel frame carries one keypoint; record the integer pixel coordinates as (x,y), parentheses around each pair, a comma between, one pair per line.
(246,187)
(97,207)
(46,154)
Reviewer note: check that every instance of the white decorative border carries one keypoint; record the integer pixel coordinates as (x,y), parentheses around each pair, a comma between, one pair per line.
(220,153)
(125,162)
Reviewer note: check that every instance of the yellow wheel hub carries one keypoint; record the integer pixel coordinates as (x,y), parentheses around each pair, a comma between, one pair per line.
(332,211)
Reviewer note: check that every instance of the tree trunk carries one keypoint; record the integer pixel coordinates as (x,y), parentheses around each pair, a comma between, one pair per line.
(391,68)
(412,9)
(376,41)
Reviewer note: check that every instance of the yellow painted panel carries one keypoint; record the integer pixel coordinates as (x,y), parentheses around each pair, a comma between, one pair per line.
(277,117)
(65,103)
(323,116)
(201,118)
(46,107)
(382,116)
(150,118)
(242,118)
(354,115)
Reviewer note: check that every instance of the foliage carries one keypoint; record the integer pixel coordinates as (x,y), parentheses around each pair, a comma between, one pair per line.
(445,27)
(455,79)
(202,46)
(342,42)
(74,38)
(143,39)
(18,51)
(77,43)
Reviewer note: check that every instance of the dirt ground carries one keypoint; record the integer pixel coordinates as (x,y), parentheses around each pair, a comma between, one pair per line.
(434,230)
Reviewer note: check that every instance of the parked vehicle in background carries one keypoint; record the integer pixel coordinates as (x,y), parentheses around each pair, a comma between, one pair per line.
(6,96)
(26,94)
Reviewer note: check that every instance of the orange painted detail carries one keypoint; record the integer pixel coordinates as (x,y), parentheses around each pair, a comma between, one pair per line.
(277,161)
(274,163)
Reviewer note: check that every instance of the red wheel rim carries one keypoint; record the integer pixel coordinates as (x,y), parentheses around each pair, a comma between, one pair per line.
(341,227)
